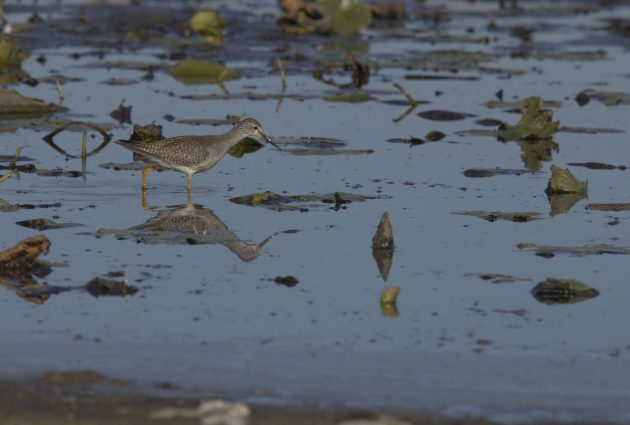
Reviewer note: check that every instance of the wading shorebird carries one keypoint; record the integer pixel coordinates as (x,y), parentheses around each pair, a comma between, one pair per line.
(193,154)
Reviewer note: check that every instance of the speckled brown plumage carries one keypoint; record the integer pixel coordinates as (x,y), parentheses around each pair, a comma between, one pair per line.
(193,154)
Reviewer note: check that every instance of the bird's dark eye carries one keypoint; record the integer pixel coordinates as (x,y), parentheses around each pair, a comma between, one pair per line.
(255,128)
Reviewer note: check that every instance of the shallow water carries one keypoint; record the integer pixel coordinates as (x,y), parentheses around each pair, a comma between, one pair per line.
(204,318)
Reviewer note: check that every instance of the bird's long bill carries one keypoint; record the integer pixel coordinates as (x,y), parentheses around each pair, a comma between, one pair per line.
(267,138)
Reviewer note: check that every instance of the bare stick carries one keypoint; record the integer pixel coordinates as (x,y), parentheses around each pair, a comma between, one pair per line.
(283,81)
(15,157)
(84,156)
(9,174)
(409,97)
(282,74)
(60,91)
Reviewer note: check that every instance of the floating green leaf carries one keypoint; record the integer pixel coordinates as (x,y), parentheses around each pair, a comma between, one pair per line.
(390,295)
(562,182)
(346,16)
(209,24)
(352,97)
(11,56)
(536,123)
(193,71)
(563,291)
(609,207)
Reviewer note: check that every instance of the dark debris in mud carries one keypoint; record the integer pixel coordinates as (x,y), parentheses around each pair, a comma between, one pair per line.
(102,287)
(288,281)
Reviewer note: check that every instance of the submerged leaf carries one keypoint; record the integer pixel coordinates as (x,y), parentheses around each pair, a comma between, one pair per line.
(608,98)
(561,204)
(492,216)
(563,291)
(609,207)
(193,71)
(346,16)
(548,251)
(434,136)
(101,287)
(533,152)
(535,123)
(352,97)
(562,182)
(491,172)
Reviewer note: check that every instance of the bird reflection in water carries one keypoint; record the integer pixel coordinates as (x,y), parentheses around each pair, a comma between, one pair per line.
(191,224)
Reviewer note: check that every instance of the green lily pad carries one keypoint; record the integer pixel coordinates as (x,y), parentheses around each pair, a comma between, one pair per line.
(352,97)
(346,16)
(193,71)
(562,182)
(535,123)
(563,291)
(209,24)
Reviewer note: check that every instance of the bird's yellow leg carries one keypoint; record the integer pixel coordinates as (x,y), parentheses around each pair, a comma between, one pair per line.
(144,176)
(189,183)
(145,205)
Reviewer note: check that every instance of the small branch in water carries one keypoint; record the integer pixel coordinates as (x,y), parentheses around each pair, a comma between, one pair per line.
(411,100)
(282,74)
(9,174)
(60,91)
(15,157)
(283,81)
(84,155)
(221,78)
(409,97)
